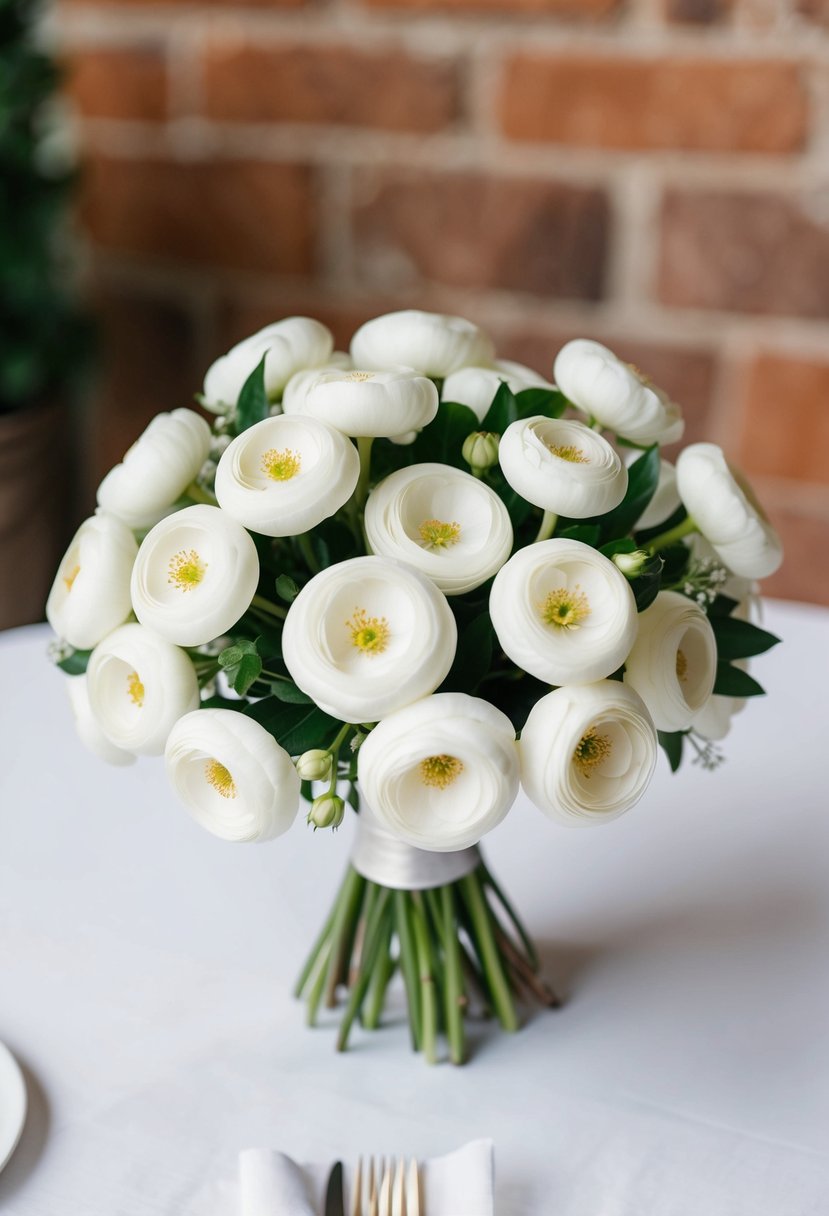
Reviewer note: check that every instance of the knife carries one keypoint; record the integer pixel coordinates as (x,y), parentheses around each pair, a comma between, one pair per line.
(335,1192)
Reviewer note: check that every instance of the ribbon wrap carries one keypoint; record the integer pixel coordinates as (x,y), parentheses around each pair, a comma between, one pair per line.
(384,858)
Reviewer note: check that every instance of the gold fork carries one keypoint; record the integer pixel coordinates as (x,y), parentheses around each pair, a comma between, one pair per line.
(386,1188)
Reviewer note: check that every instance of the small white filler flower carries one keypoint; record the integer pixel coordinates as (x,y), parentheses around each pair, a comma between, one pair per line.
(442,772)
(287,474)
(368,404)
(444,522)
(91,593)
(195,575)
(87,728)
(139,686)
(288,345)
(232,775)
(616,394)
(562,466)
(563,612)
(673,663)
(367,636)
(476,386)
(157,469)
(433,344)
(588,753)
(723,506)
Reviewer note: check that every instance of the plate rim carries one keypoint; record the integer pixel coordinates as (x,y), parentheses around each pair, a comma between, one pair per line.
(7,1057)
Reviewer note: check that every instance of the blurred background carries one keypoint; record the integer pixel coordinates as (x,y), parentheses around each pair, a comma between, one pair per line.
(650,173)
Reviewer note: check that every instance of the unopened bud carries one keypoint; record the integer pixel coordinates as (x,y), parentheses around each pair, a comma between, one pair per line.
(480,450)
(314,765)
(327,811)
(632,564)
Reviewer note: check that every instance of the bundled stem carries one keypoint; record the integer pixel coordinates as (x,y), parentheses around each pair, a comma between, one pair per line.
(450,944)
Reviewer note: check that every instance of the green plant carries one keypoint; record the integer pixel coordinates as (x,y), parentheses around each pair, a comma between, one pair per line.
(42,334)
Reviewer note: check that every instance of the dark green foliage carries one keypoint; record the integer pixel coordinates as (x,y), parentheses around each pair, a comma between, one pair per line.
(671,742)
(253,405)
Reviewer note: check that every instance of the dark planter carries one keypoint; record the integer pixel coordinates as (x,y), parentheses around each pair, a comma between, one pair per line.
(35,459)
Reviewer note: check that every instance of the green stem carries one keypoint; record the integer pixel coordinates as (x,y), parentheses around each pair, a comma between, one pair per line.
(259,602)
(497,983)
(547,527)
(307,550)
(664,539)
(372,944)
(408,964)
(428,998)
(517,924)
(342,936)
(364,443)
(318,946)
(318,988)
(454,979)
(199,494)
(381,976)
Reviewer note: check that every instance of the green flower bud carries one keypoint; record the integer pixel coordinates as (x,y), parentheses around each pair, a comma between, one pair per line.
(634,564)
(327,811)
(314,765)
(480,450)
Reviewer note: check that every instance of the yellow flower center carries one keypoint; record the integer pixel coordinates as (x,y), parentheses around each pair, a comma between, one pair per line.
(186,569)
(681,666)
(219,777)
(565,608)
(591,751)
(435,534)
(440,771)
(281,465)
(71,576)
(135,689)
(569,452)
(370,634)
(359,377)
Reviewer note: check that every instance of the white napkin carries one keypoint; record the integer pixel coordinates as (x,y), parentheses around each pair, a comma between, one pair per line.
(458,1184)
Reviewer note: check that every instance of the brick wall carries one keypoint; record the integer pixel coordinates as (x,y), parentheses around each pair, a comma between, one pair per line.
(651,173)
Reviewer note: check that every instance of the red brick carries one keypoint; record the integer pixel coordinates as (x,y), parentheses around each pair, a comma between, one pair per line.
(119,82)
(814,10)
(249,215)
(388,90)
(612,102)
(167,4)
(804,574)
(687,374)
(744,252)
(785,414)
(478,231)
(698,12)
(553,8)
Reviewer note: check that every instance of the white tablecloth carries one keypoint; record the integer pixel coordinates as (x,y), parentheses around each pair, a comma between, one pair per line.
(145,972)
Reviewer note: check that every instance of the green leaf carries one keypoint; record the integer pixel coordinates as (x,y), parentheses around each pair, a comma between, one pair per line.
(286,588)
(734,682)
(501,413)
(646,588)
(232,656)
(643,477)
(442,440)
(625,544)
(588,534)
(295,727)
(218,702)
(547,401)
(723,605)
(75,664)
(287,691)
(472,657)
(247,673)
(738,639)
(671,742)
(353,795)
(253,405)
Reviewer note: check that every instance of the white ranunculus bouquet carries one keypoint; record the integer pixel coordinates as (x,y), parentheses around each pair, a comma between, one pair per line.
(427,577)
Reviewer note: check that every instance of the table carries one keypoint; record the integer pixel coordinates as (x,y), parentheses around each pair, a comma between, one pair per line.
(145,972)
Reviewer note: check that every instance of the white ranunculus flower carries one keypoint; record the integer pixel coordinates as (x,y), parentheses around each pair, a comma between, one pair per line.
(588,753)
(157,469)
(442,772)
(289,345)
(446,523)
(87,728)
(665,497)
(433,344)
(195,575)
(232,775)
(91,593)
(563,612)
(673,663)
(723,506)
(295,390)
(562,466)
(368,403)
(139,686)
(367,636)
(616,394)
(477,386)
(285,475)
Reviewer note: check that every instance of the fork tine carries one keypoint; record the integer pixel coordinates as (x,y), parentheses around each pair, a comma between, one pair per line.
(413,1190)
(374,1168)
(356,1206)
(385,1191)
(398,1199)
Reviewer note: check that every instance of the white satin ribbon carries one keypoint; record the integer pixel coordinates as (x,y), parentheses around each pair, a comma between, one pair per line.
(384,858)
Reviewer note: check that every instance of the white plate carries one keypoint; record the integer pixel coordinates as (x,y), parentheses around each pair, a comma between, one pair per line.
(12,1104)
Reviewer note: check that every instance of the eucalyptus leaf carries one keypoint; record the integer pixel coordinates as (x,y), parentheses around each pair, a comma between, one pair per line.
(286,588)
(247,673)
(253,405)
(75,664)
(233,655)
